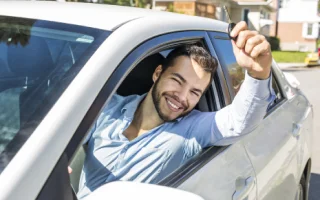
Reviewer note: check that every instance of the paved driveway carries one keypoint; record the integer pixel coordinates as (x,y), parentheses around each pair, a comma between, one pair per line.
(310,84)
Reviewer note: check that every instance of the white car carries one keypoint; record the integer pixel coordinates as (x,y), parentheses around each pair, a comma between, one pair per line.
(61,62)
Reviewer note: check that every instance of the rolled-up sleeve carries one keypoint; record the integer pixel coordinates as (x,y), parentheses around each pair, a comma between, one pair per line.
(229,124)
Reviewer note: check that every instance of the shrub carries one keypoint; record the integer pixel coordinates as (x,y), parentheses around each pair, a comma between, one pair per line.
(274,43)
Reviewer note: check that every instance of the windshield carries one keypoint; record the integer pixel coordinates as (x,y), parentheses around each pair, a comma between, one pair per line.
(38,60)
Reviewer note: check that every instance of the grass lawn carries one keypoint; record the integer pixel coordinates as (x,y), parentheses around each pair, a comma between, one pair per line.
(289,56)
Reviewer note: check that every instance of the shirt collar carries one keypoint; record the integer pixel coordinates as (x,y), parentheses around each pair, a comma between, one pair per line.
(130,108)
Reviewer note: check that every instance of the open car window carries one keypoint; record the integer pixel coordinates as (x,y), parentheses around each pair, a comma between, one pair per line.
(137,82)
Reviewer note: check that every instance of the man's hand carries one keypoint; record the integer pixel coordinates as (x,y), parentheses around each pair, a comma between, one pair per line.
(252,51)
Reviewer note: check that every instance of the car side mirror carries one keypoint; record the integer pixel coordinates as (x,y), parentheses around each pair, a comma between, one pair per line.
(122,190)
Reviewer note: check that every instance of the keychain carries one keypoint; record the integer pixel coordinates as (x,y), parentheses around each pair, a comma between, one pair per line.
(231,24)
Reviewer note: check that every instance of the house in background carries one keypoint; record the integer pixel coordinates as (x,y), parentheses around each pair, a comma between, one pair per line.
(205,8)
(297,25)
(255,12)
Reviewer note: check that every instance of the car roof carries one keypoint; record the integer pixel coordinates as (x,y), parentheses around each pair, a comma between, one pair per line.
(102,16)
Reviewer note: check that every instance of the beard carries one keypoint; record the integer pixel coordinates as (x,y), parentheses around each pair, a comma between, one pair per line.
(156,97)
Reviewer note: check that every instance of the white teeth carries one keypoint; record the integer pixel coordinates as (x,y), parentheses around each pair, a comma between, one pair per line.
(171,104)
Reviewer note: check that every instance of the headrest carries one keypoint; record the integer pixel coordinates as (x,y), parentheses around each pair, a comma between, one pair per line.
(32,60)
(139,81)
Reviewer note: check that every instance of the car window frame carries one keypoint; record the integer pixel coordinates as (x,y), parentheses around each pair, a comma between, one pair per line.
(123,69)
(229,89)
(275,77)
(284,98)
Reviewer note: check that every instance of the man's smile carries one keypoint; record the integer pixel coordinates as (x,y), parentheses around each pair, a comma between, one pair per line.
(173,104)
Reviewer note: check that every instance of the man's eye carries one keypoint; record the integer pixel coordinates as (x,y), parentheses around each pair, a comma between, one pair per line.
(176,80)
(195,93)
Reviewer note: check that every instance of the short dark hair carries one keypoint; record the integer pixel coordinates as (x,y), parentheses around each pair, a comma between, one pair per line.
(197,53)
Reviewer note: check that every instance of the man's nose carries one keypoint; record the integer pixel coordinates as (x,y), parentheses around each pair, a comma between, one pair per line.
(182,94)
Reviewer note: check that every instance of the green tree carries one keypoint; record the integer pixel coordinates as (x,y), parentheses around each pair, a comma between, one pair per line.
(118,2)
(135,3)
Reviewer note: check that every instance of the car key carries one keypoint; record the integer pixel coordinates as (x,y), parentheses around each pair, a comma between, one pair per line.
(231,24)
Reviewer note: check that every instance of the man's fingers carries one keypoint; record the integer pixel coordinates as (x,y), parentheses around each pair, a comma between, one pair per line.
(262,48)
(252,42)
(241,26)
(243,37)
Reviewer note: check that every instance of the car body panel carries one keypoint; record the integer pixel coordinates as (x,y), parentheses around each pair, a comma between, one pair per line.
(218,178)
(275,151)
(305,144)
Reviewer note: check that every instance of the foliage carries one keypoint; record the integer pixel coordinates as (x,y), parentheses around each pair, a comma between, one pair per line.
(136,3)
(170,8)
(318,43)
(118,2)
(274,43)
(289,56)
(15,31)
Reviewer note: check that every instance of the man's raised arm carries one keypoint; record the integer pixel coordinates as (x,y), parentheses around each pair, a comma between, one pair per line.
(253,53)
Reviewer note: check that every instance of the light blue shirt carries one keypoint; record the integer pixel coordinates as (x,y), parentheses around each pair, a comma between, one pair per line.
(155,154)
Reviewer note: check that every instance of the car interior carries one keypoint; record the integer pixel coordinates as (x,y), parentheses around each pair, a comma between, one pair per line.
(139,81)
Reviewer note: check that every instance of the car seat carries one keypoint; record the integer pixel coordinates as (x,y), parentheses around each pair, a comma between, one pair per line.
(139,81)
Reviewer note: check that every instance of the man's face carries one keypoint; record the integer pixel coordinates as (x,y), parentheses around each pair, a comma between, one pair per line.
(178,89)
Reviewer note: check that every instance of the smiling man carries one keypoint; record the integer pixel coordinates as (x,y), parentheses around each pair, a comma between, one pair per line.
(144,138)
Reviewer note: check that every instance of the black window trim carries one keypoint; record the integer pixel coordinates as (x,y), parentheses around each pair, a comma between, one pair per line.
(228,94)
(127,64)
(284,97)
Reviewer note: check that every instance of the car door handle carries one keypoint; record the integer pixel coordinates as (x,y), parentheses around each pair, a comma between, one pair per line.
(244,189)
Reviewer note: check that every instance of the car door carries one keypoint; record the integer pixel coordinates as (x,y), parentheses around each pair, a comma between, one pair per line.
(271,147)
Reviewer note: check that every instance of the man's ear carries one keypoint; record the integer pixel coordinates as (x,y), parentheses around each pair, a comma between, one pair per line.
(157,72)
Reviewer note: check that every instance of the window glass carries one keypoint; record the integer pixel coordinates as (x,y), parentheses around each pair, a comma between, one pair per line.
(224,51)
(245,15)
(38,59)
(309,29)
(277,91)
